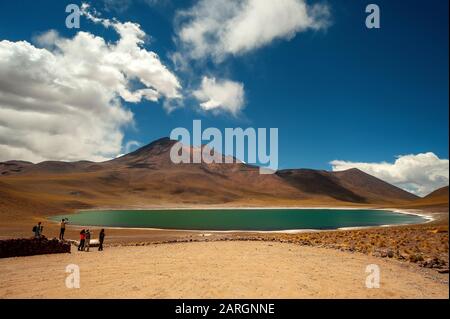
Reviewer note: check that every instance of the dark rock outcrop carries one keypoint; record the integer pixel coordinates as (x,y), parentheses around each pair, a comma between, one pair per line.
(29,247)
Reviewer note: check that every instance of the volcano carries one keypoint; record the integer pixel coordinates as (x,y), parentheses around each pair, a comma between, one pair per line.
(147,177)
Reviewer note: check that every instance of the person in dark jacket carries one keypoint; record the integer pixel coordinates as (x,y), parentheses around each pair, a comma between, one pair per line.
(38,230)
(101,238)
(82,239)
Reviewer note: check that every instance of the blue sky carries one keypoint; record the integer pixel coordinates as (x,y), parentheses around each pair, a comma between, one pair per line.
(341,92)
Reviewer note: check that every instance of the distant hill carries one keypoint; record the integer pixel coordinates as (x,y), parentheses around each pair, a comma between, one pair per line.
(147,177)
(352,185)
(440,194)
(437,200)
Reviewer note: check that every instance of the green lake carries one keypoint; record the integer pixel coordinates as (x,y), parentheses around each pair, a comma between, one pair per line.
(240,219)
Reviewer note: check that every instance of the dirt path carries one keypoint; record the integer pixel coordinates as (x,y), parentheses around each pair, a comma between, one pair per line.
(214,270)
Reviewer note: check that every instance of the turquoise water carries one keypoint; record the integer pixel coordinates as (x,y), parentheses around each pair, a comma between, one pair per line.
(240,219)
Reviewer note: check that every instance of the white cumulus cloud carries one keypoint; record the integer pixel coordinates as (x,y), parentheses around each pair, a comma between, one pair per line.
(420,174)
(220,95)
(64,101)
(217,28)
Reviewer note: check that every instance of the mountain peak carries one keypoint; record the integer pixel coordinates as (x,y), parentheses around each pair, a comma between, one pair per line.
(152,152)
(354,170)
(159,144)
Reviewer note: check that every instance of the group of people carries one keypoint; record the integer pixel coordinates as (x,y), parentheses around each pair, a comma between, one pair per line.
(85,240)
(85,235)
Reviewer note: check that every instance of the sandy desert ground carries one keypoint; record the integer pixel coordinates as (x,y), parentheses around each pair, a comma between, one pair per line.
(327,264)
(216,270)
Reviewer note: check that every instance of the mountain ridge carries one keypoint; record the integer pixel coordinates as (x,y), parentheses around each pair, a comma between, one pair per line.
(147,176)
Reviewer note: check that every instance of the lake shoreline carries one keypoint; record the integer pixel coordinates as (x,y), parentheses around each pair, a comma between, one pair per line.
(427,218)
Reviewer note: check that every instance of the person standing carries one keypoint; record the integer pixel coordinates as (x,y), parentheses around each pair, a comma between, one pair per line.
(62,229)
(88,240)
(101,238)
(37,230)
(82,240)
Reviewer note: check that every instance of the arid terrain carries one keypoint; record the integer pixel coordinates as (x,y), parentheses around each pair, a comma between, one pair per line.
(215,270)
(147,179)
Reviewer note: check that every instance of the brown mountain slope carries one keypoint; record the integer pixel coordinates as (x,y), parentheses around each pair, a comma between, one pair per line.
(372,188)
(351,186)
(147,177)
(437,200)
(13,167)
(315,182)
(440,194)
(143,178)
